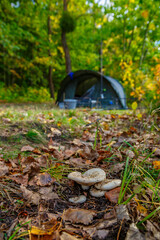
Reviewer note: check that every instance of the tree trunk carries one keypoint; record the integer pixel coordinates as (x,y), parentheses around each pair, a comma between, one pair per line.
(65,45)
(143,45)
(50,81)
(66,53)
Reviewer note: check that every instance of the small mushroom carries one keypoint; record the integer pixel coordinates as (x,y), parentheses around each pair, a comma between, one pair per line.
(96,193)
(108,184)
(89,178)
(85,187)
(79,199)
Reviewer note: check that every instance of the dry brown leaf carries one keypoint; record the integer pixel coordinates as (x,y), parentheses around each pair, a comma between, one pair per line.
(113,195)
(32,169)
(133,233)
(43,179)
(27,149)
(3,169)
(130,154)
(20,179)
(67,236)
(156,152)
(6,120)
(30,196)
(69,152)
(58,154)
(77,142)
(79,216)
(118,167)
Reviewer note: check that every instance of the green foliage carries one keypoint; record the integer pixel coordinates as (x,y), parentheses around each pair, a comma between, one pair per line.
(67,22)
(15,93)
(35,136)
(129,31)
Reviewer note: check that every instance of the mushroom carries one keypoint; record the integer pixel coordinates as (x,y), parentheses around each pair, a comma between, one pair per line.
(96,193)
(89,178)
(85,187)
(108,184)
(79,199)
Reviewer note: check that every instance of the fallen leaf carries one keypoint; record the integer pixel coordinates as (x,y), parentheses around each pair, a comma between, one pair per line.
(130,154)
(156,165)
(58,154)
(6,120)
(156,152)
(30,196)
(43,179)
(77,142)
(68,153)
(20,179)
(122,212)
(118,167)
(67,236)
(45,232)
(153,230)
(79,216)
(133,233)
(3,169)
(55,132)
(27,149)
(101,234)
(106,224)
(113,195)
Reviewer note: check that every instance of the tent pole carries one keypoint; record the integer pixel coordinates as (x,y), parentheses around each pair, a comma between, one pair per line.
(102,95)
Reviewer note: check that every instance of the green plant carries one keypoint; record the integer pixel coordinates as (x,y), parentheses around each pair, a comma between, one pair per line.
(67,22)
(127,178)
(149,216)
(58,171)
(17,228)
(34,136)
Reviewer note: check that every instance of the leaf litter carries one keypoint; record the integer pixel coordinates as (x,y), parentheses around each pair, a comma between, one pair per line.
(35,189)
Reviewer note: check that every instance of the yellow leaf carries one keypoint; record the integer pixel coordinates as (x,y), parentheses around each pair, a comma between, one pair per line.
(139,116)
(156,165)
(111,143)
(59,124)
(145,14)
(15,73)
(132,93)
(38,231)
(141,209)
(134,106)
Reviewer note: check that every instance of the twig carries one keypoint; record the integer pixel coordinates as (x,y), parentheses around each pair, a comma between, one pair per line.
(120,229)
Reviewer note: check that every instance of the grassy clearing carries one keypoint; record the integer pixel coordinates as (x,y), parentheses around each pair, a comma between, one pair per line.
(31,125)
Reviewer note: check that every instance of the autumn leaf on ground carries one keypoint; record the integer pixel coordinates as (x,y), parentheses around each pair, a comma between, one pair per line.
(156,165)
(3,169)
(27,149)
(79,216)
(113,195)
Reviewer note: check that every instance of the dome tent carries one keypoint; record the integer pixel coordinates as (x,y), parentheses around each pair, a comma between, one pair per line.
(86,84)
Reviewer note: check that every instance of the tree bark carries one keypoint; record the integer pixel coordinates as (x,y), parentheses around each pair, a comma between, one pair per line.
(65,45)
(50,75)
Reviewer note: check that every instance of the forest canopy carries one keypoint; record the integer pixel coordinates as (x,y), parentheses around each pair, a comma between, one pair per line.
(43,40)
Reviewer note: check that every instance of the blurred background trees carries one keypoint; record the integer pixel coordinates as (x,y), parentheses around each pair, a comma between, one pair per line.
(43,40)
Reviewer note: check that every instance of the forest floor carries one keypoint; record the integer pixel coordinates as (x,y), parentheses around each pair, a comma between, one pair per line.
(41,145)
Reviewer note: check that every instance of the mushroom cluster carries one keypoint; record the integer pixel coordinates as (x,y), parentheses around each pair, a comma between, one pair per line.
(96,178)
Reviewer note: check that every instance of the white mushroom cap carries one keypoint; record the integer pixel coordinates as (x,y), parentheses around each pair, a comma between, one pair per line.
(79,199)
(85,187)
(108,184)
(89,178)
(96,193)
